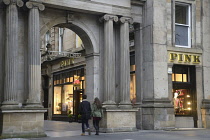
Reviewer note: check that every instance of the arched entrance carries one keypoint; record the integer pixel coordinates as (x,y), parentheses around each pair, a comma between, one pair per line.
(90,68)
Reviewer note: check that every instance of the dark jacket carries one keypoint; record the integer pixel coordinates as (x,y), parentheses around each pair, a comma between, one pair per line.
(85,109)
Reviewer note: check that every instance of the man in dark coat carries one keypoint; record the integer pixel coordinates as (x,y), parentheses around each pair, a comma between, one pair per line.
(85,111)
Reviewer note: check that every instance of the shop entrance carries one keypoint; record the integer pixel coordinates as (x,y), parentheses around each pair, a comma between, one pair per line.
(184,95)
(68,91)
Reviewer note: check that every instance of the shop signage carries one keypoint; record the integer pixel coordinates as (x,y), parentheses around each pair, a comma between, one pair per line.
(66,63)
(184,58)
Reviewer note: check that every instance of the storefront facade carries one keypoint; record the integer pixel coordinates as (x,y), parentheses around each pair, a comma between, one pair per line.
(185,89)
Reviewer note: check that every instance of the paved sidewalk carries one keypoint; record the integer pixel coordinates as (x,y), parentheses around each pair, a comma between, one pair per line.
(57,130)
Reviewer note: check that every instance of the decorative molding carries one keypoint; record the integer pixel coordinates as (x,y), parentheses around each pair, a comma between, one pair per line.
(109,17)
(31,5)
(126,20)
(70,17)
(18,2)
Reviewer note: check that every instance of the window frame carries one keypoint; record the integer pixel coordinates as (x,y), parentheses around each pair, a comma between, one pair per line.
(189,25)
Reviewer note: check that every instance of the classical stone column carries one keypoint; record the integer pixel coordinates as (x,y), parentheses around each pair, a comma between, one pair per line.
(124,63)
(109,60)
(11,54)
(34,62)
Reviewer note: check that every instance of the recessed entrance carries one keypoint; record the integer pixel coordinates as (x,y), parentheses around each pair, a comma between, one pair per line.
(184,95)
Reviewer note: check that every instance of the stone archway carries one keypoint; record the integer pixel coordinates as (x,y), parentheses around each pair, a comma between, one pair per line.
(91,45)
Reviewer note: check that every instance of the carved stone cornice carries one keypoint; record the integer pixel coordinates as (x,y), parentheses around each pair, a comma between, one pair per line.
(19,3)
(108,17)
(126,19)
(32,5)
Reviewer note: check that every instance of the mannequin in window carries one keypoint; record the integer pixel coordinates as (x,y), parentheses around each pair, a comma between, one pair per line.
(176,100)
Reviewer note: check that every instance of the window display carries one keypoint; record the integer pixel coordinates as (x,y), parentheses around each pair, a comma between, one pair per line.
(57,100)
(68,90)
(132,84)
(182,102)
(68,97)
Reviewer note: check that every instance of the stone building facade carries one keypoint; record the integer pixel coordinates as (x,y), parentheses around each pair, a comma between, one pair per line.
(171,45)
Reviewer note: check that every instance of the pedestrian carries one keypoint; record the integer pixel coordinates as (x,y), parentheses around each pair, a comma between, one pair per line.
(85,111)
(97,114)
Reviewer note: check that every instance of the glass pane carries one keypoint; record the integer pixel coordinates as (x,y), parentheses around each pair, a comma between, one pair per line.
(184,77)
(133,88)
(181,35)
(68,97)
(57,100)
(182,102)
(181,15)
(178,77)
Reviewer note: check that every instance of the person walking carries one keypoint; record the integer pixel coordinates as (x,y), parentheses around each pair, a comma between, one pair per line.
(97,114)
(85,111)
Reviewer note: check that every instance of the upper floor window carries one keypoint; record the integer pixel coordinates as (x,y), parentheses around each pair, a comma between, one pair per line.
(182,25)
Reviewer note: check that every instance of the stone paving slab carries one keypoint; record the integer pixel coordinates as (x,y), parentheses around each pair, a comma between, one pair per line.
(71,131)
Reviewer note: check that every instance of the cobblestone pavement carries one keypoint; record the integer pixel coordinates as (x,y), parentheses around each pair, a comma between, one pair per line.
(56,130)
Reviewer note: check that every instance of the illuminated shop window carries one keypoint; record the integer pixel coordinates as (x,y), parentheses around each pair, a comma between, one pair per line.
(68,89)
(57,100)
(182,102)
(68,97)
(133,87)
(180,74)
(132,78)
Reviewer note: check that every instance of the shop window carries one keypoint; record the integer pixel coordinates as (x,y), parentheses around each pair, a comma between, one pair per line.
(68,89)
(132,78)
(182,25)
(133,87)
(184,96)
(68,97)
(180,74)
(57,100)
(182,102)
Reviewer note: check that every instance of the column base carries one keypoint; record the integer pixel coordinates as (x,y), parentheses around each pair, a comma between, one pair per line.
(123,105)
(109,104)
(10,105)
(22,123)
(205,112)
(118,120)
(33,105)
(157,114)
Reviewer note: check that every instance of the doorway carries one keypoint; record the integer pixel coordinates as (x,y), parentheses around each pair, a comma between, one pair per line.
(184,95)
(69,87)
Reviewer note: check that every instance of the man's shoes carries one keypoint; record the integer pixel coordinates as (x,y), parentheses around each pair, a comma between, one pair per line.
(82,134)
(97,133)
(88,130)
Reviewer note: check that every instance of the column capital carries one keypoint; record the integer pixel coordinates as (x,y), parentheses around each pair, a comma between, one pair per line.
(32,5)
(108,17)
(126,19)
(18,2)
